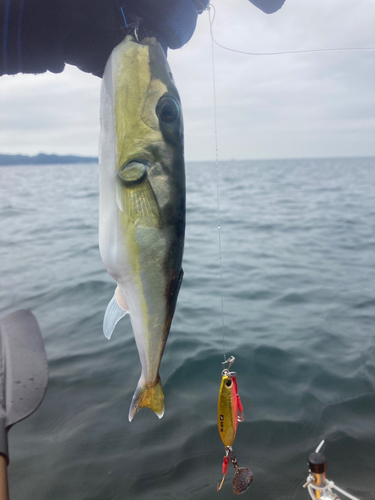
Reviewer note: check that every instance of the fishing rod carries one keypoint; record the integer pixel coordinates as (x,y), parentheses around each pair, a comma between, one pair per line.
(318,486)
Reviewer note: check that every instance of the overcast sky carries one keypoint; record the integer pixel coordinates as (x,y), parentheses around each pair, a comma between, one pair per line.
(286,106)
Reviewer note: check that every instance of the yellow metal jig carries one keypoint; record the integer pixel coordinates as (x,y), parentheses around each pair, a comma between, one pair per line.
(229,413)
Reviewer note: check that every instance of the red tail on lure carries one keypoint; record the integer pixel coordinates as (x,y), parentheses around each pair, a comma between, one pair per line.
(229,413)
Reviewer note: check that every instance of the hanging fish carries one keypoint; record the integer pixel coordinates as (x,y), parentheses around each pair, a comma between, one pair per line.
(229,413)
(142,202)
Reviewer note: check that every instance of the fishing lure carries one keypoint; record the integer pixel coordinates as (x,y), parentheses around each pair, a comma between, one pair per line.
(229,413)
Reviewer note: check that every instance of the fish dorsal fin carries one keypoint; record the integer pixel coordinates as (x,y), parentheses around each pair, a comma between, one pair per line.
(135,196)
(116,309)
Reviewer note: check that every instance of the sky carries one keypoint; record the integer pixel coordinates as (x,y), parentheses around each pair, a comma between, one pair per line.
(309,105)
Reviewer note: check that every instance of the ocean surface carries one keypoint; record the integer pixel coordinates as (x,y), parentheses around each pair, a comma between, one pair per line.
(298,285)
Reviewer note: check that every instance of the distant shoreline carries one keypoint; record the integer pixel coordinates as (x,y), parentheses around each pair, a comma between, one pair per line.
(43,159)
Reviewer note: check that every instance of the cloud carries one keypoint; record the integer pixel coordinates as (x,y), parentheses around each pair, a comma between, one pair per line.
(296,105)
(287,105)
(50,113)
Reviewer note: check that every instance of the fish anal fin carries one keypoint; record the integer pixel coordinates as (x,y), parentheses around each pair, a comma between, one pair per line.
(116,310)
(148,397)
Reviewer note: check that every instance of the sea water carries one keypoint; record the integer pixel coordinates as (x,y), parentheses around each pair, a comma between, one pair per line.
(298,287)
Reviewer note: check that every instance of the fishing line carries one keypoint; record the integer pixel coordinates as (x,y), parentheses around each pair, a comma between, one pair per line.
(306,51)
(210,7)
(217,183)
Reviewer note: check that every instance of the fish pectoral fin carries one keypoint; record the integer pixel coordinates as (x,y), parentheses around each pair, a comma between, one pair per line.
(146,397)
(116,310)
(138,202)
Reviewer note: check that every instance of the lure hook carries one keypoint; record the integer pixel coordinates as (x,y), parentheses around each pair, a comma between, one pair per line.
(136,28)
(224,467)
(133,28)
(220,484)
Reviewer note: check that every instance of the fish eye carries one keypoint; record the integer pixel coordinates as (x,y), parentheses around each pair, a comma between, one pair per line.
(167,109)
(228,383)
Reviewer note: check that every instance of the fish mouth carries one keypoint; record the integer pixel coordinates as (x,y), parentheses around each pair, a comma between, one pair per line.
(134,172)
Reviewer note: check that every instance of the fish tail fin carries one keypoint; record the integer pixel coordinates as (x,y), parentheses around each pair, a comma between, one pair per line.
(148,397)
